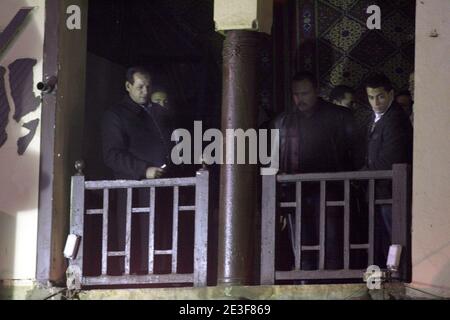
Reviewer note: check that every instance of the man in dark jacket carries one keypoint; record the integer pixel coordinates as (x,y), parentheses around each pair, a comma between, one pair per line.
(389,142)
(136,133)
(345,96)
(316,136)
(136,145)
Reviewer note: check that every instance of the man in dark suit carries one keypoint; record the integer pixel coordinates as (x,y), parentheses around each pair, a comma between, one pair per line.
(135,133)
(136,145)
(389,142)
(315,136)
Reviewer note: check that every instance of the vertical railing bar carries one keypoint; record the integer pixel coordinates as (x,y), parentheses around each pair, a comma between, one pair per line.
(77,211)
(347,224)
(298,226)
(371,222)
(105,231)
(128,232)
(401,208)
(322,224)
(151,232)
(201,228)
(268,222)
(175,230)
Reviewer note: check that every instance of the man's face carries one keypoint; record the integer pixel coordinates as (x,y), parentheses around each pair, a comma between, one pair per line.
(139,91)
(304,95)
(348,101)
(405,101)
(379,98)
(160,98)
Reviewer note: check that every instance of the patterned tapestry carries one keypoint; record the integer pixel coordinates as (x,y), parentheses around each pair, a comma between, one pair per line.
(335,42)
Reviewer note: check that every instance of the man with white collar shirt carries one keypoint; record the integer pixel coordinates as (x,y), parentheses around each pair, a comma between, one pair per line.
(389,142)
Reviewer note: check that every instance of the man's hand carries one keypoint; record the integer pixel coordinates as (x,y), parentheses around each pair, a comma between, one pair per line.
(153,172)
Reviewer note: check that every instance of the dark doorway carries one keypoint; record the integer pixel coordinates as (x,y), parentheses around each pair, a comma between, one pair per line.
(175,40)
(177,43)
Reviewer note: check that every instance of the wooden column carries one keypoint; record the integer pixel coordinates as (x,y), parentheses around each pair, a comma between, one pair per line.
(61,134)
(238,184)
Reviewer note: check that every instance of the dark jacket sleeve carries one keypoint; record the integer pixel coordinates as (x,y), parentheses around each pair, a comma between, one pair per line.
(349,141)
(397,144)
(115,151)
(343,139)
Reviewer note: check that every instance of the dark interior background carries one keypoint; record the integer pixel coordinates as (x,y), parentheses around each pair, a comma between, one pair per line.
(175,40)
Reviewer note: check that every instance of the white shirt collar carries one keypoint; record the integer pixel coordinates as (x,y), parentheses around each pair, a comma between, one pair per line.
(146,107)
(378,115)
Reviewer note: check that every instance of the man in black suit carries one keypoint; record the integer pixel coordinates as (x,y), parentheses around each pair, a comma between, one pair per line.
(389,142)
(315,137)
(136,145)
(344,96)
(136,132)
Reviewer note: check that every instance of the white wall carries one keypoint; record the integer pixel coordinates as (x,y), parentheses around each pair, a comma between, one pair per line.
(431,181)
(19,175)
(242,14)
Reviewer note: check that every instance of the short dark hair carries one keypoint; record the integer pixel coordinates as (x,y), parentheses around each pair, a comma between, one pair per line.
(338,93)
(133,70)
(379,80)
(305,75)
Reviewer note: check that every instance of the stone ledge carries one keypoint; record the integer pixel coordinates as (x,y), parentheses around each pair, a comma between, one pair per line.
(278,292)
(23,290)
(30,290)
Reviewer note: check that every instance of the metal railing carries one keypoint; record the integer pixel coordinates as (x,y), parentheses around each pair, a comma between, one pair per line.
(400,202)
(77,225)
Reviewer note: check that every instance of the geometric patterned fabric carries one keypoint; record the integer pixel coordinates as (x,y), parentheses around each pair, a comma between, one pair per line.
(347,52)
